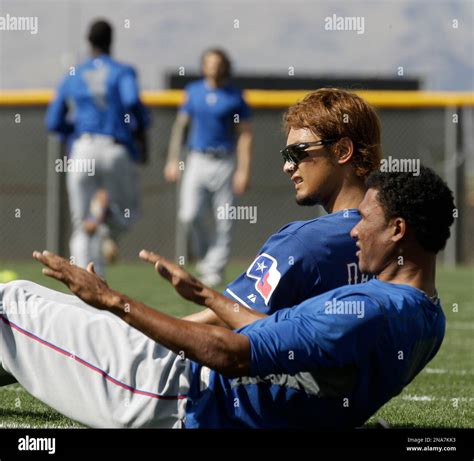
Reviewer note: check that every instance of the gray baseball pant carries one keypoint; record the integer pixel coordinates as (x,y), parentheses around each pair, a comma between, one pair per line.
(207,183)
(88,364)
(114,171)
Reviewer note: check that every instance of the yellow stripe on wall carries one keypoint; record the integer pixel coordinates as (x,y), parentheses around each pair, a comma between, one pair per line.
(267,98)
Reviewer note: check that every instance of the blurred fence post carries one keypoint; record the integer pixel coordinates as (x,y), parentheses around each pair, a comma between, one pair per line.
(53,196)
(453,172)
(181,232)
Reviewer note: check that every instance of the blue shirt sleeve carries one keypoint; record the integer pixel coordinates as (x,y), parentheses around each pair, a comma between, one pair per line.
(130,97)
(244,110)
(56,115)
(128,89)
(298,277)
(313,339)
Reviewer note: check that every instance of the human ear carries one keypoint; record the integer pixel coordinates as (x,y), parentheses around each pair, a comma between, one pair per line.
(344,150)
(399,229)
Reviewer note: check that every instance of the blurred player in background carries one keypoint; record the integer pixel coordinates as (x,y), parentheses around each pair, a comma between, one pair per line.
(98,106)
(218,165)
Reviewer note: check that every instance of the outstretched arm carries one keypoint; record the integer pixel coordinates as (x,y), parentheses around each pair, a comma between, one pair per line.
(206,316)
(215,347)
(230,312)
(56,119)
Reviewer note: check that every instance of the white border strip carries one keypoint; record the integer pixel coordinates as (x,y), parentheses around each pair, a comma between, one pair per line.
(237,298)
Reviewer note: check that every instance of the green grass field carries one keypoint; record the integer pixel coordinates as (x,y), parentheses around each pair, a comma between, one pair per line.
(441,396)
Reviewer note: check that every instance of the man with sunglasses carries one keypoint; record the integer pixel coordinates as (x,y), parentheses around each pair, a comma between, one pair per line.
(333,143)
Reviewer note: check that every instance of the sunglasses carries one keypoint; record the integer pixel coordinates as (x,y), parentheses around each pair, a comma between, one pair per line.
(294,153)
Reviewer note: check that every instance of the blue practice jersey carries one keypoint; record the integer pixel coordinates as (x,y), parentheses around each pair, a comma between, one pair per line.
(101,97)
(213,113)
(330,362)
(303,259)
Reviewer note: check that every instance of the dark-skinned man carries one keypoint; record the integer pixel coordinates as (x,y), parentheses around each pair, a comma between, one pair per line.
(329,362)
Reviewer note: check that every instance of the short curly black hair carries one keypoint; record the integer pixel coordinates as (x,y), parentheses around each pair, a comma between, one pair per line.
(424,201)
(100,35)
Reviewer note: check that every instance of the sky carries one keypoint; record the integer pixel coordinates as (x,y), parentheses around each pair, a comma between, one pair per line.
(431,40)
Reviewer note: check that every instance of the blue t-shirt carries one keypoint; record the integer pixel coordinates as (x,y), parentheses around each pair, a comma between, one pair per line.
(303,259)
(101,97)
(213,113)
(329,362)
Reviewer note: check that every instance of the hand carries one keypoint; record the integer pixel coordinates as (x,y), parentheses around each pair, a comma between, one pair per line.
(85,284)
(184,283)
(172,172)
(241,182)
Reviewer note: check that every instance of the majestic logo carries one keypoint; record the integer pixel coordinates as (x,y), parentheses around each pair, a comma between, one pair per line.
(211,99)
(264,271)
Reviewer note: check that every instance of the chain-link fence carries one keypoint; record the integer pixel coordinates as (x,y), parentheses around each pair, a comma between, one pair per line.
(29,220)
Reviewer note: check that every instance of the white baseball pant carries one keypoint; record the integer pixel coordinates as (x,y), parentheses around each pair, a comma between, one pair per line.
(206,183)
(114,171)
(88,364)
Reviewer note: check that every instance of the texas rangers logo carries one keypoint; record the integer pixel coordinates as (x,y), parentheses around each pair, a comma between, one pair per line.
(264,271)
